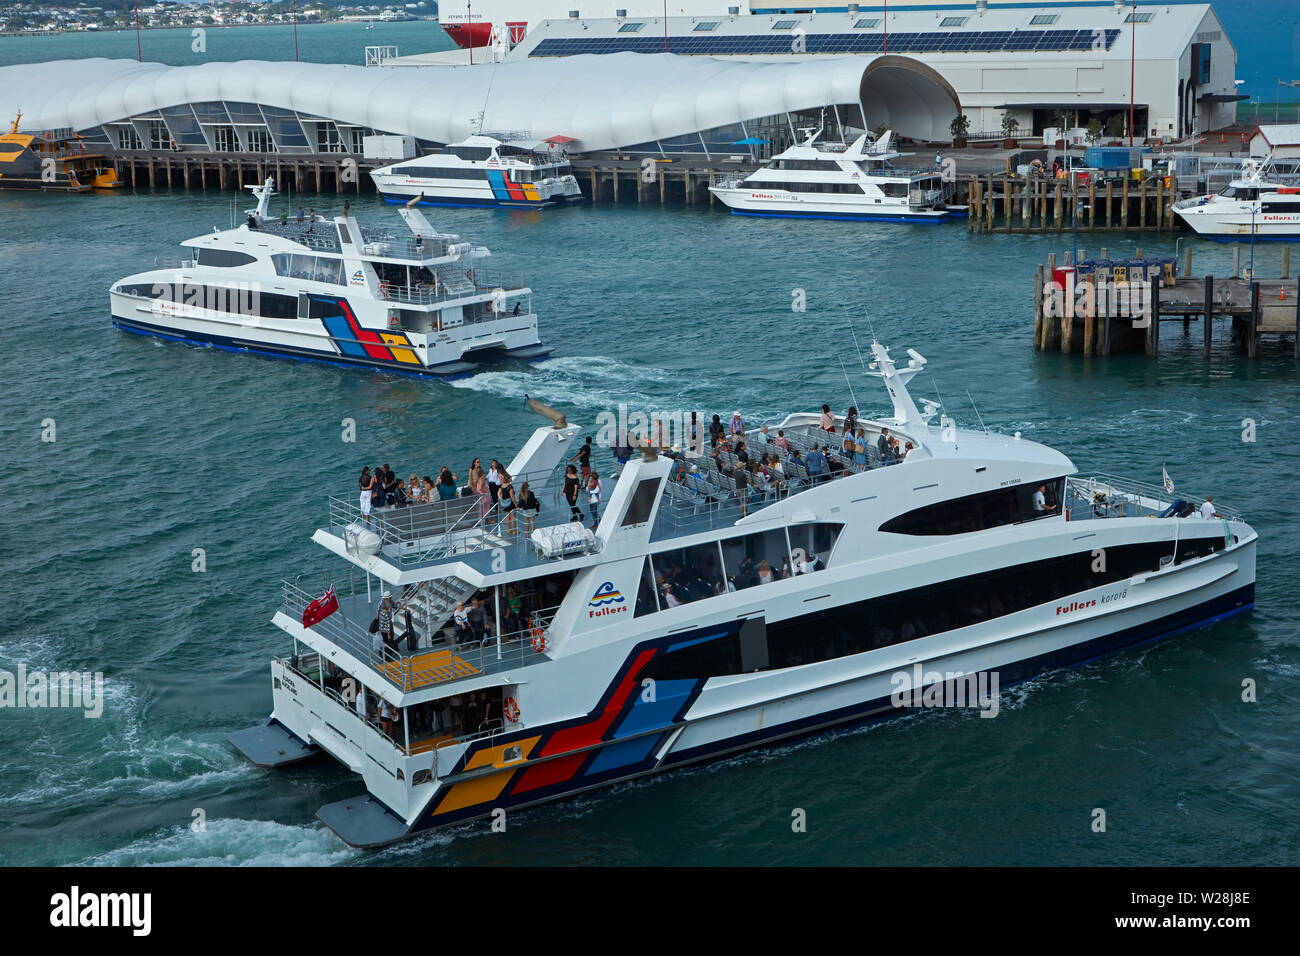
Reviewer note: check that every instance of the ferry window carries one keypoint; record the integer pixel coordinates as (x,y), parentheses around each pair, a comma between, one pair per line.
(647,601)
(989,509)
(1280,206)
(744,558)
(952,21)
(784,24)
(893,190)
(643,501)
(694,659)
(473,153)
(706,26)
(630,27)
(224,258)
(1043,19)
(690,573)
(811,545)
(867,23)
(961,602)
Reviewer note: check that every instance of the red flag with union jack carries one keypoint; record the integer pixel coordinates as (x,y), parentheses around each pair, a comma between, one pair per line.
(321,608)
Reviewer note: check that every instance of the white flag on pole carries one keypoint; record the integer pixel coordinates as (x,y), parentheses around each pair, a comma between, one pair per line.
(1169,482)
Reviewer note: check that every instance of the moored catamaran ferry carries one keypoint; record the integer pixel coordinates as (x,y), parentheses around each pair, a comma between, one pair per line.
(856,181)
(701,617)
(418,302)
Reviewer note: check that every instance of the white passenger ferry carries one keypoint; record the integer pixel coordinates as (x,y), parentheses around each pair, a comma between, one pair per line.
(1248,205)
(418,302)
(482,171)
(834,181)
(689,625)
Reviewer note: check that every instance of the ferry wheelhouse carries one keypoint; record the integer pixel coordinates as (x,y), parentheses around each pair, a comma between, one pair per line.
(690,624)
(418,302)
(834,181)
(1246,206)
(482,171)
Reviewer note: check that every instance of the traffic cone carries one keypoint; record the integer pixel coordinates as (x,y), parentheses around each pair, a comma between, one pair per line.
(1220,137)
(1282,296)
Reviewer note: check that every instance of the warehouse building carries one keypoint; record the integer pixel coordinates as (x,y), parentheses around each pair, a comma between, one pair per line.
(1043,64)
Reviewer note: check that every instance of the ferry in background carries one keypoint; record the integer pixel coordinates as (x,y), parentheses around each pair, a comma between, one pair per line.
(834,181)
(53,160)
(331,290)
(1252,204)
(470,23)
(483,171)
(700,617)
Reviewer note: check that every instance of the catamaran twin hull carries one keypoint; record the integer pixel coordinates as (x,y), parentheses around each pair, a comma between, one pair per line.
(690,720)
(332,334)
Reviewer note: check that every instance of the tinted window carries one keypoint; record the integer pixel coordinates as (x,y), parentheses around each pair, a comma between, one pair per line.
(643,500)
(691,660)
(224,258)
(989,509)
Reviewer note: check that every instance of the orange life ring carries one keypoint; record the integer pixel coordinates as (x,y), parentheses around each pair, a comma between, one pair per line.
(539,640)
(383,288)
(511,708)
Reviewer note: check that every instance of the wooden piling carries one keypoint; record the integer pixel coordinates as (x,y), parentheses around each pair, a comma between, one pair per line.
(1089,326)
(1236,261)
(1187,268)
(1286,262)
(1123,209)
(1092,204)
(1153,330)
(1252,324)
(1038,308)
(1105,222)
(1209,309)
(1006,201)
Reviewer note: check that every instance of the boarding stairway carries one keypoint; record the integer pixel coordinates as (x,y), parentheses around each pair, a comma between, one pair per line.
(431,604)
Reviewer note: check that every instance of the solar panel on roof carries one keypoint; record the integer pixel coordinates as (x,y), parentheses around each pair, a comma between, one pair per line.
(931,42)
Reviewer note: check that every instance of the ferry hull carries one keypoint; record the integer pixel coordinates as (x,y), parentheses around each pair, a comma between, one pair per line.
(742,203)
(699,723)
(196,334)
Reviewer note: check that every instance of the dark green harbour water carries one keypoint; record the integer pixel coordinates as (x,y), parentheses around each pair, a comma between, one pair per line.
(162,448)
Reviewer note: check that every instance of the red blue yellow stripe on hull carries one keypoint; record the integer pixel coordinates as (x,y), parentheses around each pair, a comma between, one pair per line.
(618,739)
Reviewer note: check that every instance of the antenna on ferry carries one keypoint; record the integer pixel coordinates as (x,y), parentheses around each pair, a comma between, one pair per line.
(977,411)
(848,383)
(861,360)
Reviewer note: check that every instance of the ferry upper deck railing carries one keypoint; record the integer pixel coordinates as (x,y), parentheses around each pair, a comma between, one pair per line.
(1108,496)
(321,235)
(418,533)
(422,667)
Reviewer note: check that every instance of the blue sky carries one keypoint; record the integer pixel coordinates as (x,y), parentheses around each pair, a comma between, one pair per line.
(1266,34)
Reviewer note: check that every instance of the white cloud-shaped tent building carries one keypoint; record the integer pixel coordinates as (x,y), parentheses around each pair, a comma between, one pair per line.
(605,102)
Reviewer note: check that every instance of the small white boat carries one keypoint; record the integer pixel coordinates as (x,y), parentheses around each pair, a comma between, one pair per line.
(1248,206)
(482,171)
(834,181)
(417,302)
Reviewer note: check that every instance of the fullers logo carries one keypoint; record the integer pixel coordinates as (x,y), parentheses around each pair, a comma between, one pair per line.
(606,600)
(1075,606)
(358,278)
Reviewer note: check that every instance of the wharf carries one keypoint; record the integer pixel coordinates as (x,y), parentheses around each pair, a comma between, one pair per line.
(1089,320)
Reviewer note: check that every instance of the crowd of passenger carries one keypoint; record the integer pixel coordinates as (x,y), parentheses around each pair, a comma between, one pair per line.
(496,490)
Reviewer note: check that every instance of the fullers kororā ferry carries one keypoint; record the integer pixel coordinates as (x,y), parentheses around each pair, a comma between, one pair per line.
(418,302)
(701,617)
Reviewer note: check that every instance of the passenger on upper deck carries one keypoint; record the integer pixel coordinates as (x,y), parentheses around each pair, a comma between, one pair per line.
(737,424)
(827,421)
(1207,508)
(716,431)
(882,445)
